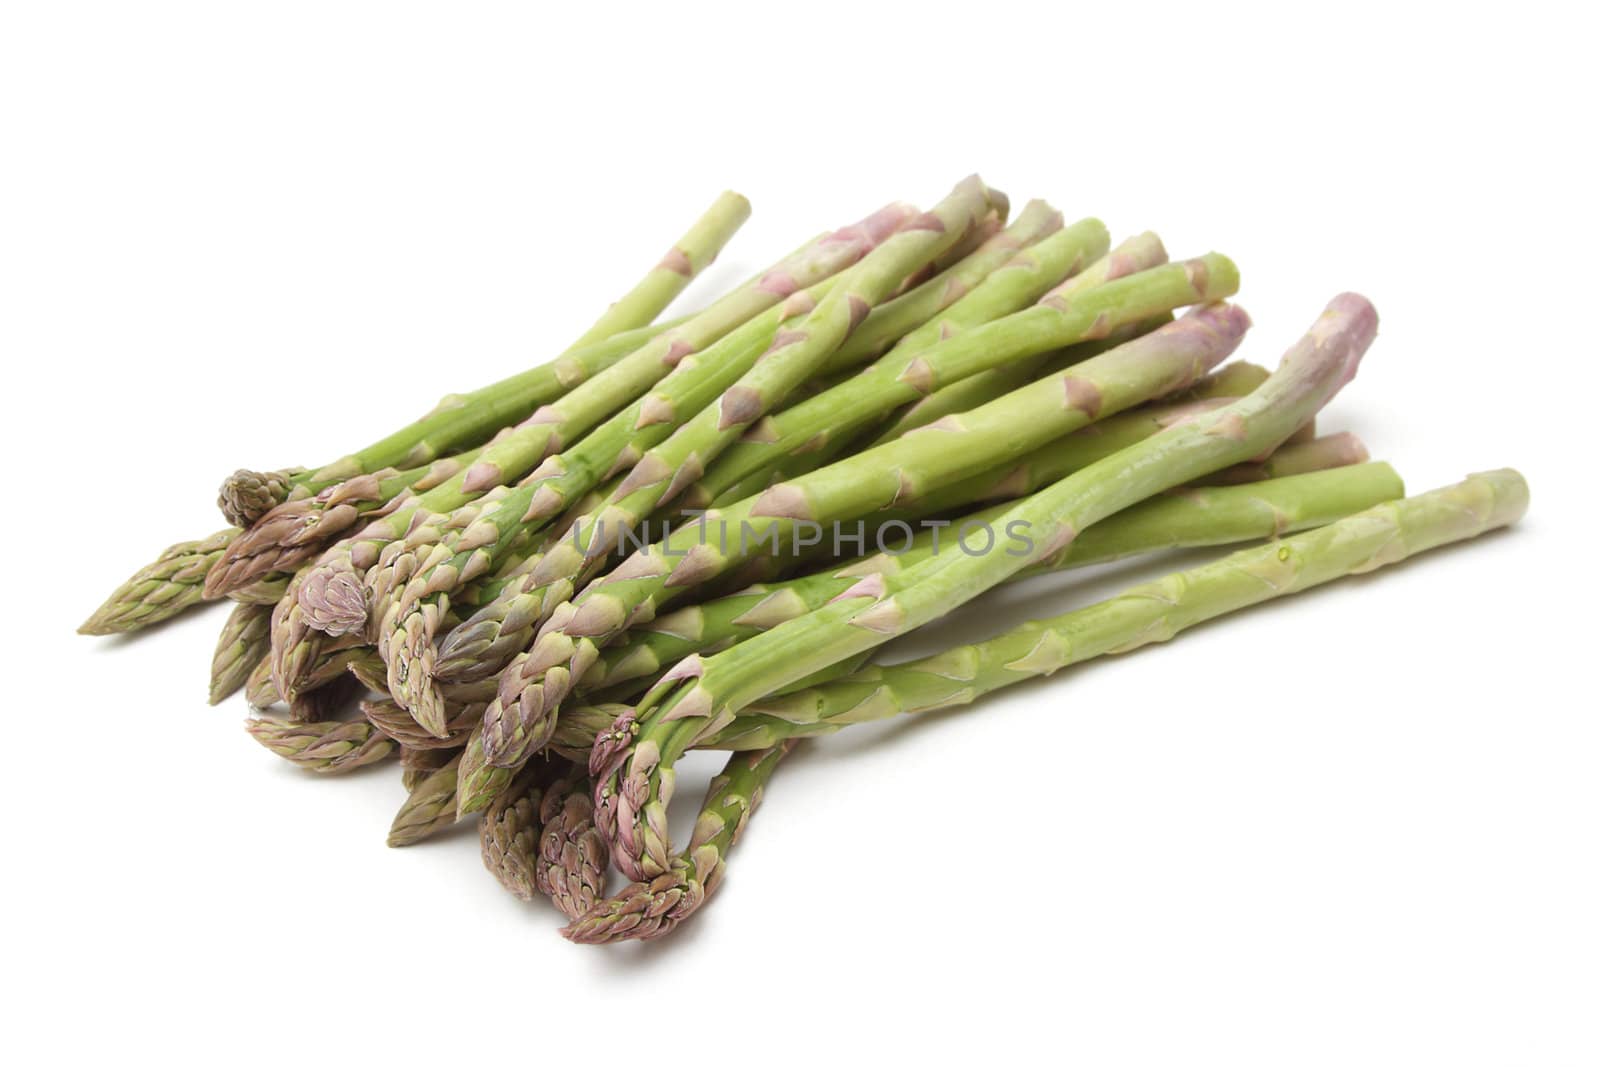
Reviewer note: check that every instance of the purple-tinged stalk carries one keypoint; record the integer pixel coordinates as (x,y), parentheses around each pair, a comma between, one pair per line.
(323,747)
(652,908)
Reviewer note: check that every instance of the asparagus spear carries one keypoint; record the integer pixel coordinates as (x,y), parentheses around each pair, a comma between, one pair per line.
(1181,518)
(456,422)
(241,645)
(160,590)
(648,909)
(508,834)
(690,255)
(702,695)
(572,860)
(325,747)
(929,356)
(429,809)
(460,421)
(520,718)
(1152,612)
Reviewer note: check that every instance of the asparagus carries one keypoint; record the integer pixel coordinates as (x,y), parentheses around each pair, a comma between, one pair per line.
(1182,518)
(1152,612)
(457,422)
(241,645)
(160,590)
(571,865)
(690,255)
(246,496)
(325,747)
(702,695)
(429,809)
(650,908)
(918,364)
(508,834)
(331,600)
(520,718)
(396,723)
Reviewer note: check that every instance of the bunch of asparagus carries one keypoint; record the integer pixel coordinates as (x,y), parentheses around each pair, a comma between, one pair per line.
(698,534)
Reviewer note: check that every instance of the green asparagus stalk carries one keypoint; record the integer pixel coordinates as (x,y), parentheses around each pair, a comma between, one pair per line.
(932,355)
(243,643)
(1172,358)
(702,695)
(457,422)
(1182,518)
(650,908)
(1152,612)
(691,254)
(429,809)
(463,421)
(157,592)
(330,747)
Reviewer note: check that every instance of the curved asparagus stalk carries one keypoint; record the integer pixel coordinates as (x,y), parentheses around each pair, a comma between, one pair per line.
(332,599)
(703,695)
(157,592)
(243,643)
(650,909)
(1182,518)
(689,255)
(325,747)
(429,809)
(1171,358)
(928,358)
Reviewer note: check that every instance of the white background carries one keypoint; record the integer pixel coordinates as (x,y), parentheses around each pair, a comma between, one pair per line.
(1358,827)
